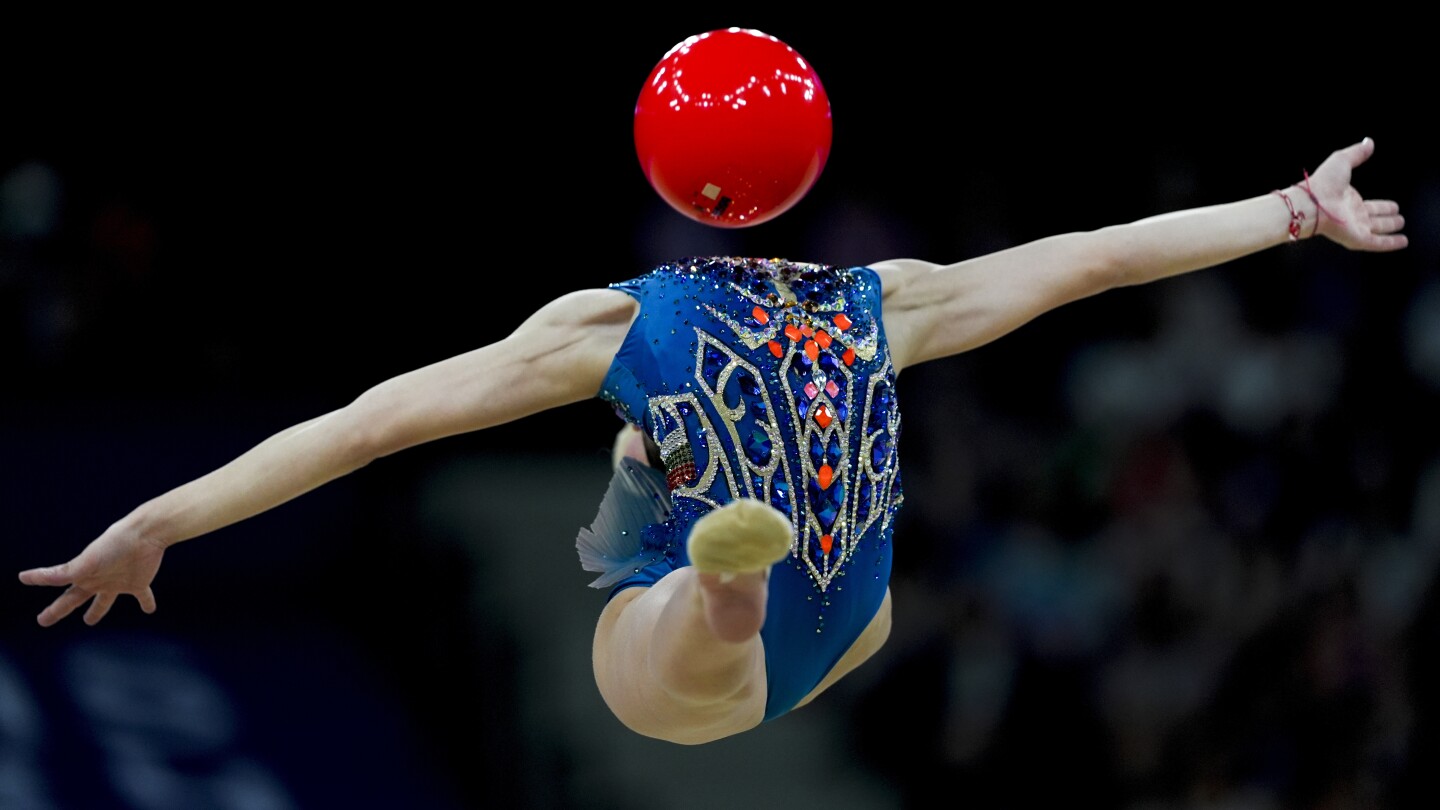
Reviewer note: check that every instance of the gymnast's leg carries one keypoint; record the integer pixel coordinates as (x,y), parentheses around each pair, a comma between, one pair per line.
(682,660)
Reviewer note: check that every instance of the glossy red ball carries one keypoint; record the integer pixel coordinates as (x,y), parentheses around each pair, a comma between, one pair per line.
(732,127)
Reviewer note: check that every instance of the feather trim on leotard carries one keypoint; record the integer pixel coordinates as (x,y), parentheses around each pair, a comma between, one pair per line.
(614,544)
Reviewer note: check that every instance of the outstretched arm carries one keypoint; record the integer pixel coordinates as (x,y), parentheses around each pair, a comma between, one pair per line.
(557,356)
(934,310)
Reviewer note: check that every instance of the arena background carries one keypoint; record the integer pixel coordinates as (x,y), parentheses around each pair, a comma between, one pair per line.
(1174,546)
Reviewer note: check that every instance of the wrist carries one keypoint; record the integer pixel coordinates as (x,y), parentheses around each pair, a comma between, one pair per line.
(147,525)
(1307,209)
(1295,224)
(1319,210)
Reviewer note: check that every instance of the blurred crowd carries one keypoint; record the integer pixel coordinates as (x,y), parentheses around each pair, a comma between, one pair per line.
(1184,562)
(1173,548)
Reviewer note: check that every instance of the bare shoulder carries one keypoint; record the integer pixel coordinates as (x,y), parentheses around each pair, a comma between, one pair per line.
(597,306)
(901,286)
(894,273)
(586,327)
(898,278)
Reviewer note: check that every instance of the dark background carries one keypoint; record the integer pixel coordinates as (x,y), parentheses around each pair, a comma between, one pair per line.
(1173,546)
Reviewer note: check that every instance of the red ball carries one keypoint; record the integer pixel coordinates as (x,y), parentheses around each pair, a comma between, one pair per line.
(732,127)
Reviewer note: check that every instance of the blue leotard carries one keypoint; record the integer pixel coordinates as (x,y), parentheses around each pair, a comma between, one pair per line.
(763,379)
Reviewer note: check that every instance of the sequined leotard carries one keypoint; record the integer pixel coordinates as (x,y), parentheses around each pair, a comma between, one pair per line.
(762,379)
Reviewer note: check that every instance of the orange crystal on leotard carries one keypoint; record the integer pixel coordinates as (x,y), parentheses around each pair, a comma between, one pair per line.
(822,416)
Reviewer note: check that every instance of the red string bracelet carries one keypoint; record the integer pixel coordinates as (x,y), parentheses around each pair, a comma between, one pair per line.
(1296,217)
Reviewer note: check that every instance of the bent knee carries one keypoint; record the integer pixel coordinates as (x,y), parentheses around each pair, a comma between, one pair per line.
(647,707)
(670,702)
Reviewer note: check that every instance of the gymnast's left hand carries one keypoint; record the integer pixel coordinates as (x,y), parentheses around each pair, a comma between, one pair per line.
(119,561)
(1346,217)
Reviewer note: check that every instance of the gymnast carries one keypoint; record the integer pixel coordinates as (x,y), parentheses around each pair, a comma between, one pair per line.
(745,540)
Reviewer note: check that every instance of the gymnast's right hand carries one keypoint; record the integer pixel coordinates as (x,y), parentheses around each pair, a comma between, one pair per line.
(120,561)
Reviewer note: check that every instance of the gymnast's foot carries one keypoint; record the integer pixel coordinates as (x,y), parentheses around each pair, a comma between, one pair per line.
(732,549)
